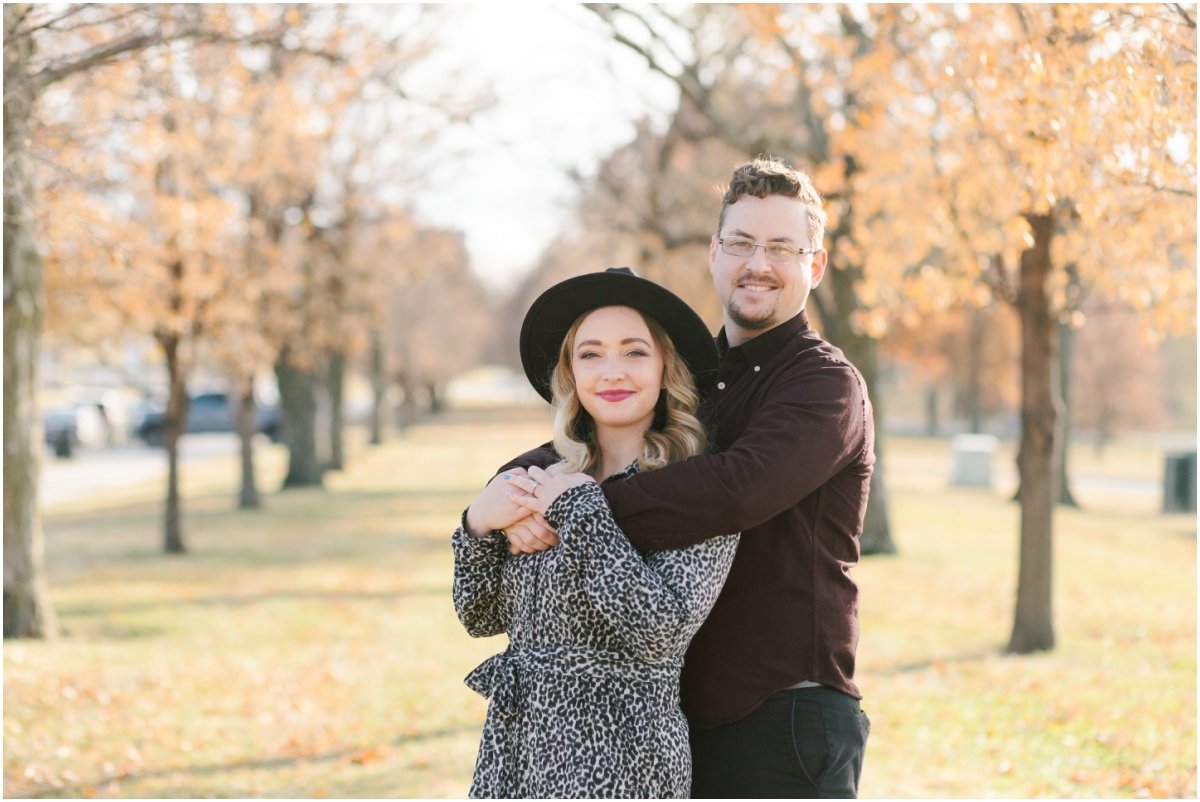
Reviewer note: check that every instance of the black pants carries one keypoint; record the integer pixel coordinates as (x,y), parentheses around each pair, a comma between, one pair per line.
(805,743)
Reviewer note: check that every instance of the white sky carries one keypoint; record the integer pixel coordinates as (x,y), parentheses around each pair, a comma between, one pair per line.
(565,97)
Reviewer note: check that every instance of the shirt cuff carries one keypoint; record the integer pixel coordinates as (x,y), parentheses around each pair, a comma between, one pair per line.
(573,506)
(495,536)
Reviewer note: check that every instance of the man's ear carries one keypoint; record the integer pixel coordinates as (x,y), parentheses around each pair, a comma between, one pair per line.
(819,263)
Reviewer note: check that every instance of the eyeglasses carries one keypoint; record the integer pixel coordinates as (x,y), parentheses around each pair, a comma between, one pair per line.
(775,251)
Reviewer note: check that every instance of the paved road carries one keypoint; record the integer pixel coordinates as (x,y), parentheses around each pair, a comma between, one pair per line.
(94,470)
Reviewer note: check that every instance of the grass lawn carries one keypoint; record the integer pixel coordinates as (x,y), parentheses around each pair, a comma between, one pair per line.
(310,649)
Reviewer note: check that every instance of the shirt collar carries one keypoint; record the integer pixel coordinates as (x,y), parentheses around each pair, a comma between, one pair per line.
(630,470)
(764,346)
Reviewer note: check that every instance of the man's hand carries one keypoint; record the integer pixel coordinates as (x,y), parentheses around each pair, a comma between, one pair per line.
(531,535)
(534,492)
(492,509)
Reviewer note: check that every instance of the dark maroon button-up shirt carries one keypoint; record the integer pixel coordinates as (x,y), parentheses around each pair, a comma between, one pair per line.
(795,439)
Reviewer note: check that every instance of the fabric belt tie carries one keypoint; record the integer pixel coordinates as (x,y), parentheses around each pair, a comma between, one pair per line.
(496,679)
(499,677)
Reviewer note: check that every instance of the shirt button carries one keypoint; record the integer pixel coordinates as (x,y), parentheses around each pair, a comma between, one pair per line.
(720,385)
(757,368)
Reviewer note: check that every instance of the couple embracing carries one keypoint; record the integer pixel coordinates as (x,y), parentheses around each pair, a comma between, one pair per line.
(672,571)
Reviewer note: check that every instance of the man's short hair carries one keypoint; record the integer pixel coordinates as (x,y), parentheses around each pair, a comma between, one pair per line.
(765,176)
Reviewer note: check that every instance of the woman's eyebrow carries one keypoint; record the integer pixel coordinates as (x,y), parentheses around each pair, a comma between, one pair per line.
(626,341)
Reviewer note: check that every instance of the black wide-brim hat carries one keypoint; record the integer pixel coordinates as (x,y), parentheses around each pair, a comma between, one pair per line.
(555,310)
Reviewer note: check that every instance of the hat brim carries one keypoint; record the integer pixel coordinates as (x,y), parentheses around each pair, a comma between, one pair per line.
(555,310)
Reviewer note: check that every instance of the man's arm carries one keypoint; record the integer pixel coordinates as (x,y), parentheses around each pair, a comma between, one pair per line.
(655,605)
(541,456)
(813,426)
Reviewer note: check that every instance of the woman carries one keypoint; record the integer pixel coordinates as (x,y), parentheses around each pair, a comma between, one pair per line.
(585,700)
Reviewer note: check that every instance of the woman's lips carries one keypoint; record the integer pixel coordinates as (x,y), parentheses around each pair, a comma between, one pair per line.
(615,395)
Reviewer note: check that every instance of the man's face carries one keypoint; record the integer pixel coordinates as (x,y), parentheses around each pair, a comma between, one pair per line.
(758,293)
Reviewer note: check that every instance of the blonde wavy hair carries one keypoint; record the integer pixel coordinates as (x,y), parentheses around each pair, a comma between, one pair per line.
(675,434)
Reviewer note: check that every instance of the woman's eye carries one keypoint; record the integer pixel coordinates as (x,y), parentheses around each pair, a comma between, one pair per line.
(637,353)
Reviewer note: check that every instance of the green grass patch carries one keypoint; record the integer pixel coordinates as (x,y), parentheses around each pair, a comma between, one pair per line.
(310,648)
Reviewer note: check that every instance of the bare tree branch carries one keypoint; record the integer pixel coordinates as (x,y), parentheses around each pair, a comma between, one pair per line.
(16,31)
(1187,18)
(691,86)
(56,25)
(1020,12)
(11,34)
(814,125)
(1148,184)
(101,54)
(686,79)
(109,51)
(606,11)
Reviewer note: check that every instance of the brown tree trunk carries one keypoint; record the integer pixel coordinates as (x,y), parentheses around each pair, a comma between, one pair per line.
(1104,425)
(877,527)
(836,303)
(298,395)
(173,424)
(27,609)
(379,387)
(336,387)
(973,400)
(406,412)
(1066,356)
(863,353)
(436,404)
(1033,625)
(247,425)
(932,421)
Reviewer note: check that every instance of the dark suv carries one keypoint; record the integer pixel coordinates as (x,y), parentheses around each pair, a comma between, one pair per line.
(211,412)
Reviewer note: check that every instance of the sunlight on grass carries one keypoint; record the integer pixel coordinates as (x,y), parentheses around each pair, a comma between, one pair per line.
(310,648)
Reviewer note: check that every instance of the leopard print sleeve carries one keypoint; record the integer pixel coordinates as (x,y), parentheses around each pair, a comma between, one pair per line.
(479,598)
(655,604)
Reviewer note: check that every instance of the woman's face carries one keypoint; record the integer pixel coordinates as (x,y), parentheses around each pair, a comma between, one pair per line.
(618,369)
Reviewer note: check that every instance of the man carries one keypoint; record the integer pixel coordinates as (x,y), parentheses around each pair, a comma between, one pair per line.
(768,681)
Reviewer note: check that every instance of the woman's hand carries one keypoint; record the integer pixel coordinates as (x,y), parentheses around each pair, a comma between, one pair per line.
(492,509)
(537,490)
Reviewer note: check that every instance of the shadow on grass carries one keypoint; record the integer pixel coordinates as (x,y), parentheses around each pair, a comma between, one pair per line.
(211,549)
(933,662)
(77,789)
(83,611)
(535,413)
(215,505)
(109,632)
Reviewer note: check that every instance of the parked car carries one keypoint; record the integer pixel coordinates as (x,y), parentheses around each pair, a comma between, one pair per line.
(72,424)
(211,412)
(90,418)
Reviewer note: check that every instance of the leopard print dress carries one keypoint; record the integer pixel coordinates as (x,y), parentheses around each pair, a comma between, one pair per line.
(584,703)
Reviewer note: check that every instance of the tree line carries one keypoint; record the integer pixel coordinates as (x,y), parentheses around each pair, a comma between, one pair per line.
(1014,173)
(222,180)
(1019,168)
